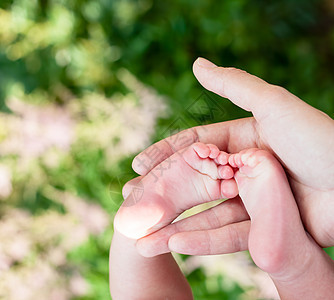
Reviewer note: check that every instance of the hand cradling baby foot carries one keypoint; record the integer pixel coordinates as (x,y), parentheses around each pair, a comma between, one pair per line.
(202,173)
(198,174)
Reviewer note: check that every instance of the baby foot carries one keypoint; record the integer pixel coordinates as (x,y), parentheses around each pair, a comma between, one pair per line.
(189,177)
(277,238)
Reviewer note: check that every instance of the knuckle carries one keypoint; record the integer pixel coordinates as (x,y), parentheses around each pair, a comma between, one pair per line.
(275,92)
(233,236)
(212,218)
(209,248)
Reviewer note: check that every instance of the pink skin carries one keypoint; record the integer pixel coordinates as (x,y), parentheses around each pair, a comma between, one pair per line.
(276,233)
(165,195)
(281,125)
(277,240)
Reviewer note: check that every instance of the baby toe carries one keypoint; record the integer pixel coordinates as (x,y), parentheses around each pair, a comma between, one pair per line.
(202,150)
(222,158)
(235,160)
(214,151)
(225,172)
(238,160)
(231,161)
(246,155)
(229,188)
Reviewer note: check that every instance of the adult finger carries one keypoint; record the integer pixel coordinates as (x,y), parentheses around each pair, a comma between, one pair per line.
(243,89)
(224,135)
(130,185)
(227,212)
(228,239)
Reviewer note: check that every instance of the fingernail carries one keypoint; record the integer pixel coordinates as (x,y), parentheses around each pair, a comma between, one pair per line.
(204,63)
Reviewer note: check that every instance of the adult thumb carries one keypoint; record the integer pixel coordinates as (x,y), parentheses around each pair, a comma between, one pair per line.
(243,89)
(288,124)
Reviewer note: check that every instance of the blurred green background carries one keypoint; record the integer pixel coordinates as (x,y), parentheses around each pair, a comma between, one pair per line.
(85,85)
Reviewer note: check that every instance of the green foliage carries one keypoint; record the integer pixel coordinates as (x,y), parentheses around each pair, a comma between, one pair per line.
(58,52)
(213,287)
(93,261)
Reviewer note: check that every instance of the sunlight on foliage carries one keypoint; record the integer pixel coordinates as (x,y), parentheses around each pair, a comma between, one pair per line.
(86,85)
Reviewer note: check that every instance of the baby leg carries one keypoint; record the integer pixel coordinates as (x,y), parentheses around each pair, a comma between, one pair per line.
(277,241)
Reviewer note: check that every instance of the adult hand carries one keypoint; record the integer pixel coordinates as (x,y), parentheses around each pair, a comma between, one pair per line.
(300,136)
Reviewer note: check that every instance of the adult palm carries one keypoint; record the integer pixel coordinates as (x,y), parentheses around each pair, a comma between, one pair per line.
(300,136)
